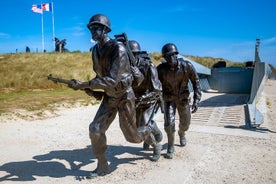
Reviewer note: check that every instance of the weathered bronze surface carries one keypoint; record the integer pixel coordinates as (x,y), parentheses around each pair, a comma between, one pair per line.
(175,74)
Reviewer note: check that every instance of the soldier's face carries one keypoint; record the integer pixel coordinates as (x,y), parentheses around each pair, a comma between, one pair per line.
(96,32)
(171,59)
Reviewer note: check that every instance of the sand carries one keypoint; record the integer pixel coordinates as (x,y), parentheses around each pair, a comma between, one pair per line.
(57,149)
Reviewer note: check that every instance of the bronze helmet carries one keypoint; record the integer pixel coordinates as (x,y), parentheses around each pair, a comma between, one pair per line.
(134,46)
(99,19)
(168,49)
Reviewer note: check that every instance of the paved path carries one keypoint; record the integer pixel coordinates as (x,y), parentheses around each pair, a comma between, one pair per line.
(219,150)
(222,113)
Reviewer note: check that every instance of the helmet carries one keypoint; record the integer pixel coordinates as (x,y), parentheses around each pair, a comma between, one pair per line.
(99,19)
(134,46)
(169,48)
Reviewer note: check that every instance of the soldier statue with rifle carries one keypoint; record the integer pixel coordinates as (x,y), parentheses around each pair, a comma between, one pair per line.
(114,76)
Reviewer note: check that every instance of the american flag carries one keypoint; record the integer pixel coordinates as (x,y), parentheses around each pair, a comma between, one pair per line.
(36,8)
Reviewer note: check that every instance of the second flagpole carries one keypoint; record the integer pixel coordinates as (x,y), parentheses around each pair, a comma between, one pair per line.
(42,28)
(53,25)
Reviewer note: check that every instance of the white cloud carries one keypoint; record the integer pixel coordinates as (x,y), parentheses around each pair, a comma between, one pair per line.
(269,40)
(4,35)
(183,8)
(75,31)
(78,30)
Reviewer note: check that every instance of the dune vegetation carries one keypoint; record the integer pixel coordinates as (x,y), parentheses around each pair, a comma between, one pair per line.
(24,83)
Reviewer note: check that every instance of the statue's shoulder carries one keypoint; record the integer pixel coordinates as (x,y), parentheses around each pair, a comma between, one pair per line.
(162,65)
(184,62)
(115,42)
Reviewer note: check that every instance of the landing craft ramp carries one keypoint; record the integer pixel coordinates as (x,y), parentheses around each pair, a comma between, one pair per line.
(221,109)
(227,114)
(223,113)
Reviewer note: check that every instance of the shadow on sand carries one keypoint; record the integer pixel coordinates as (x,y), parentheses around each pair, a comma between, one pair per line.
(49,165)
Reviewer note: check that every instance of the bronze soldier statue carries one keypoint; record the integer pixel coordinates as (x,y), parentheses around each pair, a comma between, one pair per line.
(59,45)
(113,75)
(174,75)
(148,93)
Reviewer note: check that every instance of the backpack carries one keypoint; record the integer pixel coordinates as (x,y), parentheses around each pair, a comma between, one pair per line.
(138,77)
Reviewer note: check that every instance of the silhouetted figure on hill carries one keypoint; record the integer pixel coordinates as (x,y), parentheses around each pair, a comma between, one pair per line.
(28,50)
(59,45)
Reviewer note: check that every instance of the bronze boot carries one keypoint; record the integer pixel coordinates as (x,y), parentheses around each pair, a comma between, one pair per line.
(102,168)
(156,147)
(145,146)
(170,134)
(182,139)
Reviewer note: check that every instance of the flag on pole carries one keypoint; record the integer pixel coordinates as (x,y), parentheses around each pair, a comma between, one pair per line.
(36,8)
(47,7)
(39,9)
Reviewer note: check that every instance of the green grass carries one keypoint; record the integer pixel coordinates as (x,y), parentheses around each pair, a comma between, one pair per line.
(24,83)
(37,100)
(20,72)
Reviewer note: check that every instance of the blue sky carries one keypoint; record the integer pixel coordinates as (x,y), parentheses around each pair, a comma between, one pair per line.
(218,28)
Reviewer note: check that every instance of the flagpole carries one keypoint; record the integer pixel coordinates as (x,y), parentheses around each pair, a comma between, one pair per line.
(42,28)
(53,24)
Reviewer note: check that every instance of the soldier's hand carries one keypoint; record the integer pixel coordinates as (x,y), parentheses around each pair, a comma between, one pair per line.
(75,84)
(194,107)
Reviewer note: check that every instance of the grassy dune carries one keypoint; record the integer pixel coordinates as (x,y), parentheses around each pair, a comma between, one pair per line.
(24,72)
(24,83)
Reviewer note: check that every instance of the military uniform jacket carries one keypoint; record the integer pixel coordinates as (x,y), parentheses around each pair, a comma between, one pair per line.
(175,81)
(112,67)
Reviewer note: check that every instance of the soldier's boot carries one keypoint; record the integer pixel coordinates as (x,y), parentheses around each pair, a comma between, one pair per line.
(102,168)
(145,146)
(182,138)
(156,131)
(156,152)
(170,134)
(156,147)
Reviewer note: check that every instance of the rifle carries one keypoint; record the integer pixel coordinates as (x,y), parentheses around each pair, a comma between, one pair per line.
(151,98)
(60,80)
(96,94)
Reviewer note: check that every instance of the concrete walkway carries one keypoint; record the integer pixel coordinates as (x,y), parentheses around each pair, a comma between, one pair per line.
(221,113)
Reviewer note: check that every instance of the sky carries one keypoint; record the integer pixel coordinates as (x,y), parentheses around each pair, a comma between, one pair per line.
(217,28)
